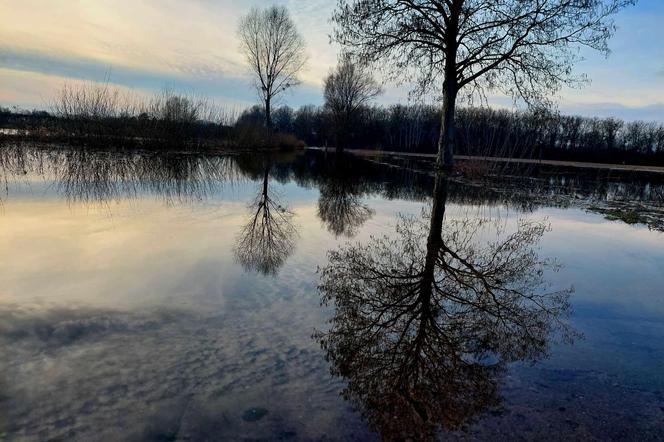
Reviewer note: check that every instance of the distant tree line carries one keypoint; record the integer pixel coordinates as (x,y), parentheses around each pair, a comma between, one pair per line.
(99,115)
(480,131)
(181,120)
(24,120)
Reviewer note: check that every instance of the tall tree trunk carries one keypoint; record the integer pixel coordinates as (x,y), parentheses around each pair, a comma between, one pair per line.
(266,176)
(340,140)
(435,238)
(446,141)
(437,210)
(342,131)
(268,115)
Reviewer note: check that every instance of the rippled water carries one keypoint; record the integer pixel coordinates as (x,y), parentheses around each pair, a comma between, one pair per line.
(175,297)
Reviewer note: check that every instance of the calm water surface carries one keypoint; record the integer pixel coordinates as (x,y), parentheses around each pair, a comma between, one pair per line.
(175,297)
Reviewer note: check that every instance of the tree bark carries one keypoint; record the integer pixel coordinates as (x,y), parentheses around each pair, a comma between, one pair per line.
(435,238)
(268,115)
(438,209)
(446,141)
(266,176)
(340,142)
(342,132)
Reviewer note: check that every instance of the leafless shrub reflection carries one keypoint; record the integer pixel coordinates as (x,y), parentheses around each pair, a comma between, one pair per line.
(340,205)
(268,238)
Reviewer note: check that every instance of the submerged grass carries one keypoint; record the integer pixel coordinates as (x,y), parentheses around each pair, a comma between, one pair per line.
(628,216)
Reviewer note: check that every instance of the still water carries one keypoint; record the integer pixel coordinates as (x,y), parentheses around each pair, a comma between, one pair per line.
(186,297)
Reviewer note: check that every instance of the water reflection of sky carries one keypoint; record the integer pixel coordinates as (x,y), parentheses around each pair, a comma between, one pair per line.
(132,319)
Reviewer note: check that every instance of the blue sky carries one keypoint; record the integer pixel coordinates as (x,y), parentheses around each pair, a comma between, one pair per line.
(147,45)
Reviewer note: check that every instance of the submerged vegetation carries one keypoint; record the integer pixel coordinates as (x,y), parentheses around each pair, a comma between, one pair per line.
(632,213)
(627,216)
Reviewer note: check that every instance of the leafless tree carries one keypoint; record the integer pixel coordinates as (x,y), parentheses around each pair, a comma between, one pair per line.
(525,48)
(99,113)
(425,323)
(274,50)
(341,209)
(269,236)
(349,87)
(98,177)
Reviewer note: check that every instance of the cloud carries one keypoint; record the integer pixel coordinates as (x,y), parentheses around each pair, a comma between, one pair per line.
(68,327)
(74,67)
(652,112)
(32,78)
(148,45)
(124,34)
(193,46)
(84,373)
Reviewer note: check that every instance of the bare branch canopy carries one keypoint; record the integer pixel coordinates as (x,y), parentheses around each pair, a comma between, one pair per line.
(349,87)
(525,48)
(274,50)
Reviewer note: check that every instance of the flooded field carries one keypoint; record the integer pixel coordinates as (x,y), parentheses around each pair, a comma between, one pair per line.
(300,297)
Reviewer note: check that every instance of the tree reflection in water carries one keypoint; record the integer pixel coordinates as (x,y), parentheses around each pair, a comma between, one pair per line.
(268,238)
(425,323)
(340,206)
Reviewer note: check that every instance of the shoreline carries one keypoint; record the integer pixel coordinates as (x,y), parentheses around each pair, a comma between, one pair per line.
(576,164)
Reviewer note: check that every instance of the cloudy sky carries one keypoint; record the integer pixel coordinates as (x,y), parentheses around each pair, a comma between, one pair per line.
(147,45)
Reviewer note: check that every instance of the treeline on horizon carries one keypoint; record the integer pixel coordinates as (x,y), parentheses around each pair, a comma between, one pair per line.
(98,114)
(481,131)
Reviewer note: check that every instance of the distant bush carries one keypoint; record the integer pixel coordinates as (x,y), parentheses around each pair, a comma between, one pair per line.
(250,130)
(285,141)
(99,113)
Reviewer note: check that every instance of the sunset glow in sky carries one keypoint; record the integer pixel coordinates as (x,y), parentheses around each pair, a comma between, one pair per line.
(147,45)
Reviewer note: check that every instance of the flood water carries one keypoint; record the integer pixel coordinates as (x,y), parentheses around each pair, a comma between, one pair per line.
(191,297)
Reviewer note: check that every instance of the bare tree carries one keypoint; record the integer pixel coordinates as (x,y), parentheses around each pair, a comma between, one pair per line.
(349,87)
(340,205)
(425,322)
(525,48)
(275,51)
(268,238)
